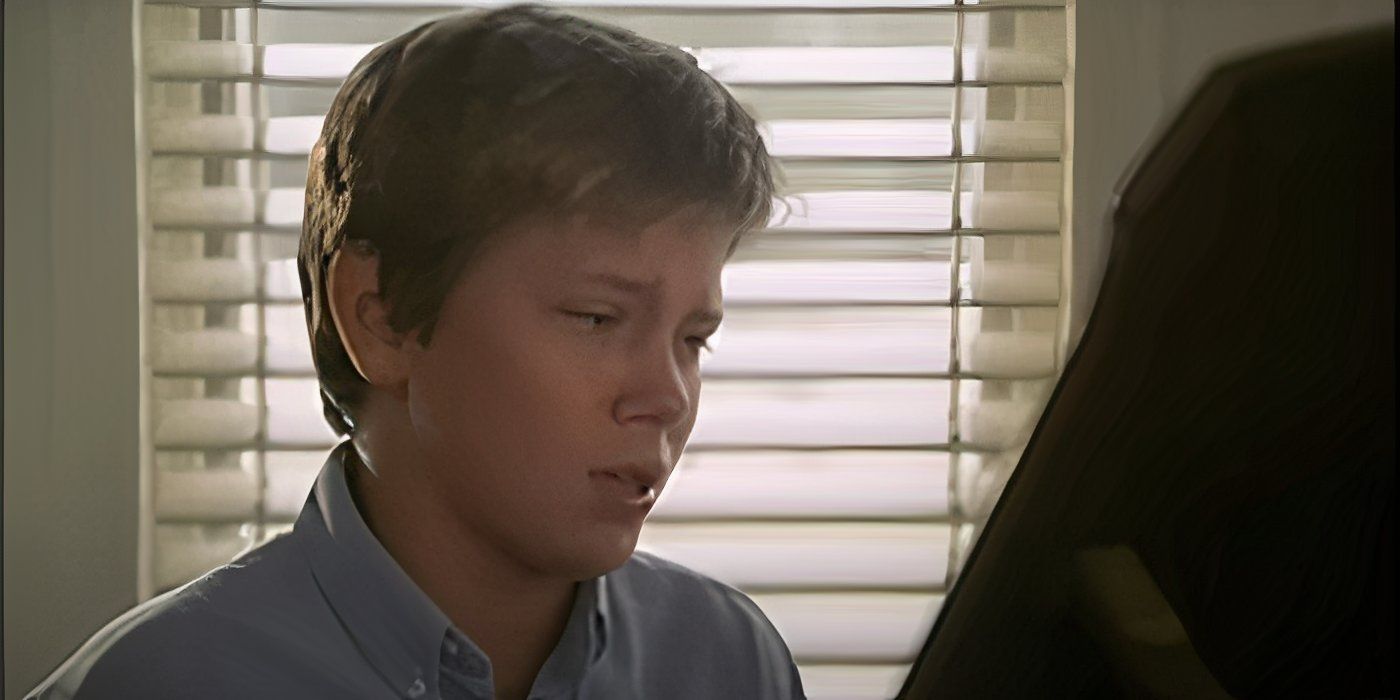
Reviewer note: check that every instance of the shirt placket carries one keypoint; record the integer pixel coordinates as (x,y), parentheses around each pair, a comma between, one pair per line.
(464,672)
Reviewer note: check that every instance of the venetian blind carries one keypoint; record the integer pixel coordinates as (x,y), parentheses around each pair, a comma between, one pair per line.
(888,341)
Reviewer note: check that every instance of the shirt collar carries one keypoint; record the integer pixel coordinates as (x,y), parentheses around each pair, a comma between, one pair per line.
(397,627)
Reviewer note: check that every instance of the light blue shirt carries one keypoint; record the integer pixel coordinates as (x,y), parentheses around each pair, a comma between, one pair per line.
(325,612)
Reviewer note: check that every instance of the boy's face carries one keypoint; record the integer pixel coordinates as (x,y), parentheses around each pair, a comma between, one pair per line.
(542,375)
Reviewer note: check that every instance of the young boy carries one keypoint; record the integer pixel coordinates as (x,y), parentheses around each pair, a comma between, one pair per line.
(515,226)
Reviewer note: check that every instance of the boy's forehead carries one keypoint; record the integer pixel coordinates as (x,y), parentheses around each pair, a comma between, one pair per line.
(582,249)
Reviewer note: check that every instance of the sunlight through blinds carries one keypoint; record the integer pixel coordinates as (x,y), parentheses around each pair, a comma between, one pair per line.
(887,344)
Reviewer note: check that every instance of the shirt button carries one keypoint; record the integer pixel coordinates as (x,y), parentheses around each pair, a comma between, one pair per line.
(451,647)
(417,689)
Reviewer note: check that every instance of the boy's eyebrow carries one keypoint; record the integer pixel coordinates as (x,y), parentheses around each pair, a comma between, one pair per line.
(650,290)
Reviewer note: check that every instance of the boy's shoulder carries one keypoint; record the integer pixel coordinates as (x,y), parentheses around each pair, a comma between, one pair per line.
(217,632)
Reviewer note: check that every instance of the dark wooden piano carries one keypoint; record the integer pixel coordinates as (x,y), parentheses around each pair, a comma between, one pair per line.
(1206,507)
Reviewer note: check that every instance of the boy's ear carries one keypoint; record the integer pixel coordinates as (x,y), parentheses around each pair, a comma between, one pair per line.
(362,318)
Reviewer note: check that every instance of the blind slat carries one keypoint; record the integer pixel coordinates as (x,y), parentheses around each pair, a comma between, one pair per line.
(871,627)
(788,556)
(212,351)
(1013,210)
(199,60)
(834,485)
(206,494)
(208,279)
(330,63)
(764,101)
(214,133)
(996,415)
(212,423)
(710,26)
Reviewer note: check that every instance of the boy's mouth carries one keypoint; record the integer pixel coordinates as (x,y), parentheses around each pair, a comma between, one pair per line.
(644,477)
(639,481)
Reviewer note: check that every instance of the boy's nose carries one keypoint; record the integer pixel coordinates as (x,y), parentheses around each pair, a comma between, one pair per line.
(656,390)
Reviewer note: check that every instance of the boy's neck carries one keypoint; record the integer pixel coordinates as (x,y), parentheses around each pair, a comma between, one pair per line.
(514,616)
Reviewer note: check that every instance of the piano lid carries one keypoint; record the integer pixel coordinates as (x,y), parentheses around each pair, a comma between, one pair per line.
(1206,507)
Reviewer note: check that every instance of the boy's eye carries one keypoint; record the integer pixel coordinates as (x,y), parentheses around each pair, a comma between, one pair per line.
(594,321)
(599,319)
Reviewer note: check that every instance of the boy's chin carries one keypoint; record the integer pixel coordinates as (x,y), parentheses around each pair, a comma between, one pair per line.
(594,560)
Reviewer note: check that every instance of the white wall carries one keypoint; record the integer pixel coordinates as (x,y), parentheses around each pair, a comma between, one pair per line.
(71,328)
(1136,61)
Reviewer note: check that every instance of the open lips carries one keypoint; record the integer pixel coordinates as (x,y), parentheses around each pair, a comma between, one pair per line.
(644,479)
